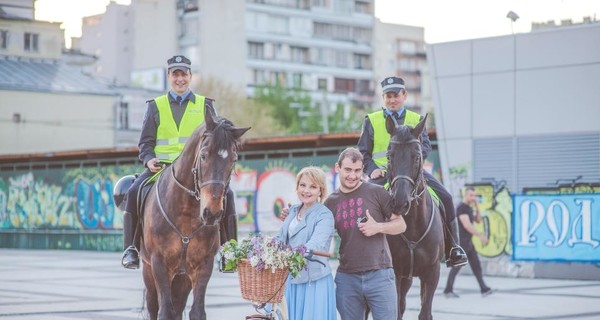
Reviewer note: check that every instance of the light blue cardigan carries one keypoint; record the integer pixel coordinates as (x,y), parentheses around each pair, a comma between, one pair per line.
(315,231)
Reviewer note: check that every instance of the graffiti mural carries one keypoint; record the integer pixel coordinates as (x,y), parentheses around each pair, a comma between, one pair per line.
(78,199)
(557,227)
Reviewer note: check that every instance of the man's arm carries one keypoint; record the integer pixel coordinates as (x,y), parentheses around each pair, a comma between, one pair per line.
(365,146)
(148,136)
(466,223)
(396,225)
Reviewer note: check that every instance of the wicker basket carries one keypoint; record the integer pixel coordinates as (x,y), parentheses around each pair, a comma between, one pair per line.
(261,286)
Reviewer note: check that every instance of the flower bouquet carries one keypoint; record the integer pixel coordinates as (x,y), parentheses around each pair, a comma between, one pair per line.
(263,263)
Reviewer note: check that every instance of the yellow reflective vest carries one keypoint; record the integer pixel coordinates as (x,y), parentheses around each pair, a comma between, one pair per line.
(170,140)
(381,138)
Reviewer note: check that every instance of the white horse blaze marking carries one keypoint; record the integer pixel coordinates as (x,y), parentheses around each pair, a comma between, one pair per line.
(223,153)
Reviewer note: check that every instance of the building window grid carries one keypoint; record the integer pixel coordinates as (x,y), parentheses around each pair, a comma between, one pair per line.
(3,39)
(256,50)
(31,42)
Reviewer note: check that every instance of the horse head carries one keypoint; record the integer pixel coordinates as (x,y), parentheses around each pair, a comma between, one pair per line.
(215,156)
(405,164)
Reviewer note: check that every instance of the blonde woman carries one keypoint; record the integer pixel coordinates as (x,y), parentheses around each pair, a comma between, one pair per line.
(311,295)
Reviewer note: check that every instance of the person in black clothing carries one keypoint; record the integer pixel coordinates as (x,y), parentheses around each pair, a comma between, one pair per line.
(467,231)
(373,144)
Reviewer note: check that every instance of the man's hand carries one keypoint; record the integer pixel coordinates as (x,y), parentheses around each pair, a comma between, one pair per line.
(285,212)
(371,227)
(154,165)
(377,173)
(484,239)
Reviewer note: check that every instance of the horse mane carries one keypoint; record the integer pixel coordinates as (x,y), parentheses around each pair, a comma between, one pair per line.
(222,135)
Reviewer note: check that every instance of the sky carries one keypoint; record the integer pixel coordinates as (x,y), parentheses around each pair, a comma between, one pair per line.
(443,20)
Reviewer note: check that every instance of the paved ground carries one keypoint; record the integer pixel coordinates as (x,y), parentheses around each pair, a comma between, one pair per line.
(67,285)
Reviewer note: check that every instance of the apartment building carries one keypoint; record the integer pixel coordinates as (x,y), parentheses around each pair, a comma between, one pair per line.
(399,50)
(323,47)
(109,37)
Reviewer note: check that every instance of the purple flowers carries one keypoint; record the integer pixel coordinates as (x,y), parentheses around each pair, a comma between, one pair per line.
(264,252)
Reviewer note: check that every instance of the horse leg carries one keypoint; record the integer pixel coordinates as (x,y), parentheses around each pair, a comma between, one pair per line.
(162,280)
(180,290)
(200,283)
(151,296)
(402,287)
(429,283)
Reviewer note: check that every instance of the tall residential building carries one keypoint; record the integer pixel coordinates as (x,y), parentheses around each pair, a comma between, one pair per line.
(323,47)
(109,37)
(400,51)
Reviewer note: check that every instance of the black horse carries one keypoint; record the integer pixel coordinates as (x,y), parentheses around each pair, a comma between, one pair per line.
(181,220)
(418,251)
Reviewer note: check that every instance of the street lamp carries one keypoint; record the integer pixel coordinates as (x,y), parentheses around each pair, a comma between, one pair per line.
(513,17)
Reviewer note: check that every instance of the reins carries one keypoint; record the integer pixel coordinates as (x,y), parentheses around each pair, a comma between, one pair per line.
(198,185)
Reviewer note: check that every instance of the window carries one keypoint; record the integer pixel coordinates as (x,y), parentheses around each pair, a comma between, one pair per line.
(299,54)
(123,116)
(31,42)
(259,77)
(297,80)
(3,39)
(343,85)
(362,7)
(256,50)
(362,61)
(322,84)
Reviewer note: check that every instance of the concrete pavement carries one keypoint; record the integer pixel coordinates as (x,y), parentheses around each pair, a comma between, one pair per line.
(67,285)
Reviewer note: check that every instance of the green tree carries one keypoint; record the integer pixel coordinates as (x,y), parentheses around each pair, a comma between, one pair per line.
(232,103)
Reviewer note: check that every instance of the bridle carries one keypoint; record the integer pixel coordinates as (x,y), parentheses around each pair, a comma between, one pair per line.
(198,185)
(417,185)
(197,173)
(418,188)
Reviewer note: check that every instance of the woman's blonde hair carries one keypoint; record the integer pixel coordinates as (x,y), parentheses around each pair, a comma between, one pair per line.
(317,176)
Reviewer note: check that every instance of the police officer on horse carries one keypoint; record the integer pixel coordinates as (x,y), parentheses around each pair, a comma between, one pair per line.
(169,121)
(373,144)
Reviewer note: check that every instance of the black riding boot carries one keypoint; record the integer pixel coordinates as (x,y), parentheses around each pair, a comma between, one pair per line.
(455,255)
(130,259)
(228,224)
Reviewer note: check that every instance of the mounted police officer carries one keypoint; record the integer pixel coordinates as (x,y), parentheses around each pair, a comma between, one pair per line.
(373,144)
(169,121)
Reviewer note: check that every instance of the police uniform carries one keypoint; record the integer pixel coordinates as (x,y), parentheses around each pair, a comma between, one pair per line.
(373,143)
(169,121)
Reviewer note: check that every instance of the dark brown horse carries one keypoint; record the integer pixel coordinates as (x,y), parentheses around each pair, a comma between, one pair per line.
(418,251)
(181,220)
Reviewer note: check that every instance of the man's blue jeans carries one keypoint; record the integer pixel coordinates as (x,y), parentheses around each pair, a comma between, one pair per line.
(377,289)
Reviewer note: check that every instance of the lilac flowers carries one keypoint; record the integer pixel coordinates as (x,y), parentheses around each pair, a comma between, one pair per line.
(264,252)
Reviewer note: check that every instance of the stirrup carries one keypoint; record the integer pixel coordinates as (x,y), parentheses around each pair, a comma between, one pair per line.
(130,265)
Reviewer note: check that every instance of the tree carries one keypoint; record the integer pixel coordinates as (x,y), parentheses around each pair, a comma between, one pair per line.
(232,103)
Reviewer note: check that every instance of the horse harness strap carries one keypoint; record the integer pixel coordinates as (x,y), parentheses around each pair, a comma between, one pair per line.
(412,245)
(185,240)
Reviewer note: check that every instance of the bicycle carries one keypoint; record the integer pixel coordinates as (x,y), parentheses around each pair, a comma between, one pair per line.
(278,311)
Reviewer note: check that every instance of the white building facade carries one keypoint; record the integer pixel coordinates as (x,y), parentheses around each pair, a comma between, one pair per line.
(522,108)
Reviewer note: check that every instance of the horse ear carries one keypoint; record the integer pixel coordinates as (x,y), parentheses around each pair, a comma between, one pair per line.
(209,118)
(390,125)
(418,130)
(238,132)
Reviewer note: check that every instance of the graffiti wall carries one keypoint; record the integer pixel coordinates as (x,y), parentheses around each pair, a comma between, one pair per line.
(545,224)
(80,200)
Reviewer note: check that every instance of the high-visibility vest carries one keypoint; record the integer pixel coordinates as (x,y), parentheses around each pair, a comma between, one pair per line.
(170,140)
(381,138)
